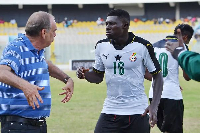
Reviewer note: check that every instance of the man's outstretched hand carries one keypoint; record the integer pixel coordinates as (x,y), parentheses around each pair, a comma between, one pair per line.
(176,47)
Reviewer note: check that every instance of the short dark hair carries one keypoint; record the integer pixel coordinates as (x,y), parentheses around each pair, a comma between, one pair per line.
(185,30)
(36,22)
(122,14)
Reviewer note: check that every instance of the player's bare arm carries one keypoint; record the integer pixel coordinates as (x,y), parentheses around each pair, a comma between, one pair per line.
(148,75)
(186,77)
(30,91)
(157,92)
(90,75)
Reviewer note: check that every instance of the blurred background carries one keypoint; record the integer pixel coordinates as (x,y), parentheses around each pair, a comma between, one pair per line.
(82,23)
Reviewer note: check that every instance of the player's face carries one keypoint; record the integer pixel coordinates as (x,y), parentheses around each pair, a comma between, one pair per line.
(114,27)
(186,39)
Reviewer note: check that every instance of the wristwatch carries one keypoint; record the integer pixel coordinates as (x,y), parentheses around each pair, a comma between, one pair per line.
(66,79)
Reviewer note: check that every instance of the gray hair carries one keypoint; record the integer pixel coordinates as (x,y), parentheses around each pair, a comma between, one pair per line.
(36,22)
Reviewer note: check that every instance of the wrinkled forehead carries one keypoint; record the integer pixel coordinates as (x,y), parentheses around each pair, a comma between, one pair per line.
(53,23)
(112,19)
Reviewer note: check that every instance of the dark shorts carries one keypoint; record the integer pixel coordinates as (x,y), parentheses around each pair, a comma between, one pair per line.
(16,124)
(170,115)
(109,123)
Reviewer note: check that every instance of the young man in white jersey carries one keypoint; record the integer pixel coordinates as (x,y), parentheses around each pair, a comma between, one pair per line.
(171,108)
(189,61)
(123,57)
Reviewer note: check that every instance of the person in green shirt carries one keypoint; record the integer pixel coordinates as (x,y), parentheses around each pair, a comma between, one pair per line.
(188,60)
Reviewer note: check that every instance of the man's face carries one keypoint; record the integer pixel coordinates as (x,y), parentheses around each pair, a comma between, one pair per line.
(186,39)
(51,33)
(114,27)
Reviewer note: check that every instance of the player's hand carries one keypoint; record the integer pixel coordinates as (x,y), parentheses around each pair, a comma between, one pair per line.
(172,46)
(69,90)
(152,115)
(32,95)
(80,73)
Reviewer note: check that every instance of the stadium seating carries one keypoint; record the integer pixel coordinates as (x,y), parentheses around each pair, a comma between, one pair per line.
(79,39)
(8,29)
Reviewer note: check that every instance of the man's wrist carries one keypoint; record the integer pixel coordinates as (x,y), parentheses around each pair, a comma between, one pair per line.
(66,79)
(176,53)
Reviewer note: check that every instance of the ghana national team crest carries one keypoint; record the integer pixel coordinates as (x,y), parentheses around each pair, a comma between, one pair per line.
(133,57)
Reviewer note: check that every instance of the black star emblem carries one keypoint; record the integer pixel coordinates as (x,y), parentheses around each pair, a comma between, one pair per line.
(118,57)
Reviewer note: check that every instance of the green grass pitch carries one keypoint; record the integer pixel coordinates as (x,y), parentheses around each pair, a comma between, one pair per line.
(81,113)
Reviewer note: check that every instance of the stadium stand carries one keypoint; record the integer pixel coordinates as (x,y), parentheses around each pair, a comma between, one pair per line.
(77,41)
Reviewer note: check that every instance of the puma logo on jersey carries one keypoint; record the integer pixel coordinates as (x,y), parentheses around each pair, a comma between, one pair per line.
(105,56)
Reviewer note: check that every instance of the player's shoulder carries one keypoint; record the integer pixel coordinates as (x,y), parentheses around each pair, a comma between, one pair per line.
(106,40)
(160,43)
(142,41)
(171,38)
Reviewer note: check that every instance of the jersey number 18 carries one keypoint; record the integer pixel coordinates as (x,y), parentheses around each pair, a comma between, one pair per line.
(120,66)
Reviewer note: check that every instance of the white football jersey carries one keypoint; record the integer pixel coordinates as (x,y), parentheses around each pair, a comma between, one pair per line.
(124,73)
(170,70)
